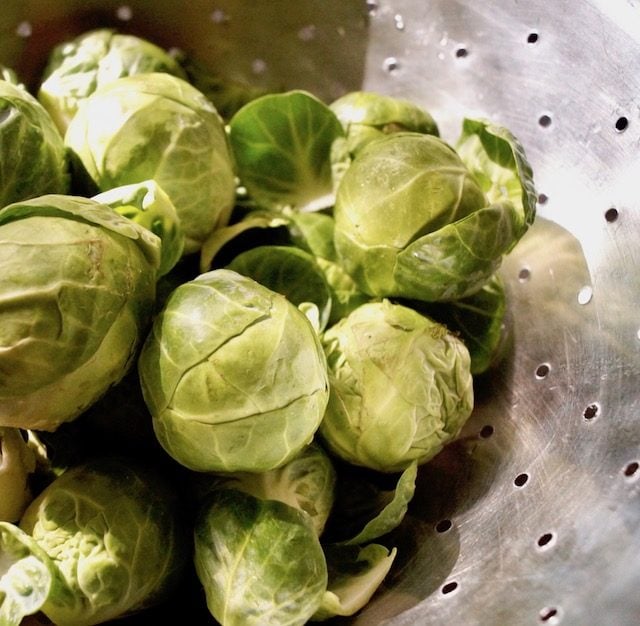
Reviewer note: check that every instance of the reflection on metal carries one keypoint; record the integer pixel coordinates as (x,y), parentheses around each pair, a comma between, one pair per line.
(533,516)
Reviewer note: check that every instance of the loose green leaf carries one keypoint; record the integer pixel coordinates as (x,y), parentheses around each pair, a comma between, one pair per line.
(392,513)
(282,147)
(290,271)
(355,574)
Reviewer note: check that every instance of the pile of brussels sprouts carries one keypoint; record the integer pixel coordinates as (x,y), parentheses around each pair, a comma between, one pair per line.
(232,326)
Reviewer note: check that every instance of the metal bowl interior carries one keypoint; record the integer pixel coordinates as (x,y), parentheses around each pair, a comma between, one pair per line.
(533,515)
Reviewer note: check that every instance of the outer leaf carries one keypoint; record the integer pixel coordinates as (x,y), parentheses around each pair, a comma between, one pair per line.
(314,232)
(498,161)
(354,576)
(458,259)
(246,553)
(282,147)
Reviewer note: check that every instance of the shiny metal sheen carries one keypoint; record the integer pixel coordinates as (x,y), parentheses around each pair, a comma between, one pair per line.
(533,516)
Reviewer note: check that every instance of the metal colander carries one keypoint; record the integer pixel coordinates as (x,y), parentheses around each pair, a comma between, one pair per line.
(533,515)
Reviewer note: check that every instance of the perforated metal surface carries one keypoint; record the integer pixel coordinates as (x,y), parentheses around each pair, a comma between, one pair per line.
(533,516)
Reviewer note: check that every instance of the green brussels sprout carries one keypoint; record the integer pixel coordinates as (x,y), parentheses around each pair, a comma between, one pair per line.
(77,289)
(233,374)
(147,204)
(401,387)
(76,68)
(17,463)
(413,221)
(157,126)
(260,561)
(32,154)
(367,116)
(104,539)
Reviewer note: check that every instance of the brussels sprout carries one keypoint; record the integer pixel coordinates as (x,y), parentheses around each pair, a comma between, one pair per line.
(112,539)
(367,116)
(412,221)
(290,271)
(233,374)
(76,68)
(260,561)
(400,387)
(354,576)
(282,146)
(148,205)
(76,292)
(157,126)
(32,154)
(17,463)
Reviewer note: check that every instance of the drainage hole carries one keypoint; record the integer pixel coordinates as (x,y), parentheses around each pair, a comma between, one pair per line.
(444,525)
(549,615)
(542,371)
(544,120)
(524,274)
(521,480)
(449,587)
(486,431)
(533,37)
(544,541)
(591,412)
(611,215)
(622,123)
(631,469)
(462,52)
